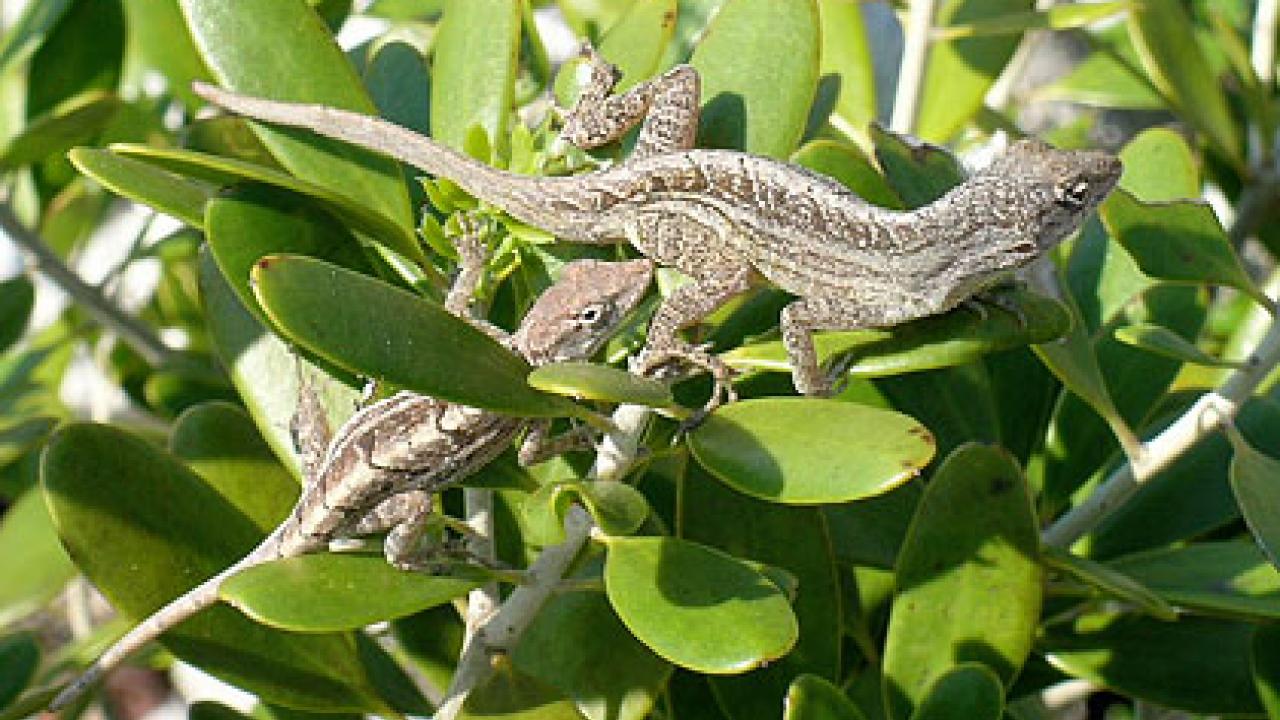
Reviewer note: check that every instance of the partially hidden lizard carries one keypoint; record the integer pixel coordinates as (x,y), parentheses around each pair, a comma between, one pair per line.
(379,471)
(725,219)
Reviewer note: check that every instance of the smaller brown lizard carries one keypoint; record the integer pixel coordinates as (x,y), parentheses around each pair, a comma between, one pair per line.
(379,471)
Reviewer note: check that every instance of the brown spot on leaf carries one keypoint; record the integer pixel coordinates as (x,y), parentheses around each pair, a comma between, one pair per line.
(668,18)
(264,263)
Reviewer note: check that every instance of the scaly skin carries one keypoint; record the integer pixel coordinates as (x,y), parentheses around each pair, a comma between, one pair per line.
(724,218)
(380,470)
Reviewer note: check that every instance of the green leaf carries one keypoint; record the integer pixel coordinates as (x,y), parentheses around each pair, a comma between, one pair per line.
(697,607)
(19,656)
(1229,578)
(1158,165)
(847,164)
(1163,341)
(788,545)
(17,296)
(578,645)
(265,370)
(400,84)
(72,123)
(617,508)
(337,591)
(813,698)
(1062,17)
(1110,581)
(1177,242)
(238,46)
(846,57)
(968,691)
(1199,665)
(345,317)
(1165,40)
(937,341)
(229,171)
(807,451)
(29,31)
(160,36)
(639,39)
(31,559)
(972,552)
(220,443)
(183,198)
(1265,666)
(1108,77)
(917,171)
(83,53)
(776,95)
(870,531)
(599,382)
(476,54)
(1255,481)
(509,694)
(244,225)
(960,72)
(144,528)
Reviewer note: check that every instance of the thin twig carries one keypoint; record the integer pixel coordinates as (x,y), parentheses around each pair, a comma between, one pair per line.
(135,333)
(501,631)
(1210,412)
(915,57)
(482,601)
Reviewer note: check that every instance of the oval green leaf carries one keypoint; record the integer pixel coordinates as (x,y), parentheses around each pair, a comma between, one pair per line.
(19,656)
(144,528)
(972,552)
(72,123)
(968,691)
(17,297)
(813,698)
(755,98)
(227,171)
(600,382)
(618,509)
(846,61)
(238,47)
(1111,582)
(1159,166)
(917,171)
(32,561)
(476,52)
(182,197)
(1166,43)
(1199,665)
(336,591)
(1255,481)
(805,451)
(937,341)
(697,607)
(1221,578)
(1163,341)
(848,165)
(374,329)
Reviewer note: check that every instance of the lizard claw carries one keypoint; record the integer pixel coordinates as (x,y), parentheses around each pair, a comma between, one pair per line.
(1000,298)
(663,364)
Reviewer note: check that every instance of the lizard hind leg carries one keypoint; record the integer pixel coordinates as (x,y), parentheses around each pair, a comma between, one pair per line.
(406,518)
(667,105)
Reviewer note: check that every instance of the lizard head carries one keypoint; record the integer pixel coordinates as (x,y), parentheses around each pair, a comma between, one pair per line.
(571,319)
(1055,189)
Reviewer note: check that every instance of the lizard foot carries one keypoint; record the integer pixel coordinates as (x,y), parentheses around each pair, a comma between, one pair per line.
(999,297)
(664,363)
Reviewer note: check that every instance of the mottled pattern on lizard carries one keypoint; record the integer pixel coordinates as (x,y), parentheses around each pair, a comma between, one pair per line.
(726,218)
(380,470)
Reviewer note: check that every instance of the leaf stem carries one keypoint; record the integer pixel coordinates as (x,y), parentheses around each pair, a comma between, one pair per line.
(131,330)
(1209,413)
(915,57)
(501,631)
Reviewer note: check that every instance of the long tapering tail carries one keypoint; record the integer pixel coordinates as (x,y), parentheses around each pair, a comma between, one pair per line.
(180,608)
(516,194)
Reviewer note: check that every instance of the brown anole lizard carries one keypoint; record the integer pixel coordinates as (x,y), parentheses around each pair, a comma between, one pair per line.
(725,219)
(379,471)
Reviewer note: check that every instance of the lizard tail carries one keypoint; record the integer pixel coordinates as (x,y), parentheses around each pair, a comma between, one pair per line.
(180,608)
(516,194)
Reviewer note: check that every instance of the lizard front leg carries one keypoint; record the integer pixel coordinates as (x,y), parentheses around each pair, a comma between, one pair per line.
(802,317)
(667,104)
(539,445)
(407,517)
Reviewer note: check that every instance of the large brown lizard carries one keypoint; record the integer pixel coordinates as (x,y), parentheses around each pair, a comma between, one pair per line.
(726,218)
(379,471)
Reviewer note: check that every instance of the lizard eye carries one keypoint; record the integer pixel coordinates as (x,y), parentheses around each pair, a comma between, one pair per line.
(592,315)
(1072,193)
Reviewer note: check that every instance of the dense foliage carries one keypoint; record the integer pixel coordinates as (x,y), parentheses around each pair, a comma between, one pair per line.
(998,502)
